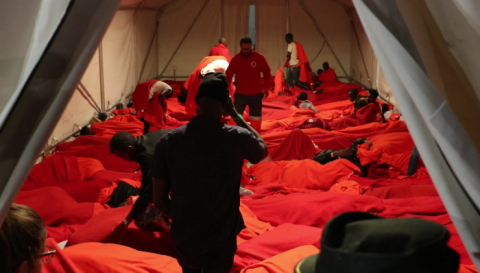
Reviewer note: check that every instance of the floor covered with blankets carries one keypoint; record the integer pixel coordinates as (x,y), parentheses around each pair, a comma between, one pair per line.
(294,195)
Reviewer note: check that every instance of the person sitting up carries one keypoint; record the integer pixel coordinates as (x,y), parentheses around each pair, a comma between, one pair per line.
(304,103)
(325,78)
(350,154)
(139,149)
(359,101)
(85,131)
(355,242)
(221,49)
(22,241)
(203,201)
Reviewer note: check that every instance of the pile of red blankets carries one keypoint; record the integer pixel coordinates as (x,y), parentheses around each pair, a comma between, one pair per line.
(294,196)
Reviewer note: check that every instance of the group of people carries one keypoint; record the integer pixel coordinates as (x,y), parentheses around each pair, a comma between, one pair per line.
(192,176)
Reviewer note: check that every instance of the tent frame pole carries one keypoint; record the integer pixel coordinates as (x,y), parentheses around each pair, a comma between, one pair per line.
(102,76)
(184,37)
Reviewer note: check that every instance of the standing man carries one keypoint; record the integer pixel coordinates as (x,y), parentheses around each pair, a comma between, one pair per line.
(203,201)
(221,49)
(249,90)
(299,70)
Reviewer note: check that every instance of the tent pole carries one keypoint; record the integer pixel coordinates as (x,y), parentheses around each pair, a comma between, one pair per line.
(184,37)
(360,48)
(84,89)
(157,22)
(323,35)
(289,22)
(102,78)
(222,18)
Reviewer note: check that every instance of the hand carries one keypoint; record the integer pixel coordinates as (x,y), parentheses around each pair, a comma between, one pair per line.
(118,233)
(230,110)
(265,93)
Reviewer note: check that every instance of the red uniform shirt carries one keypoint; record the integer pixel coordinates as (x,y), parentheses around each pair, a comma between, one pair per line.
(248,80)
(220,50)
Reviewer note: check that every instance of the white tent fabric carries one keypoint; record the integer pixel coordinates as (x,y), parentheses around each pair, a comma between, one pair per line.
(403,36)
(18,57)
(187,29)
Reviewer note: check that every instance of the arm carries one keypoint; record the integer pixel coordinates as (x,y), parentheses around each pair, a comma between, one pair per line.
(230,71)
(265,69)
(161,189)
(289,55)
(241,123)
(146,192)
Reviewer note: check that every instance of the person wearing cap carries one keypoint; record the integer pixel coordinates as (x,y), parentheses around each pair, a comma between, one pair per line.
(196,174)
(359,242)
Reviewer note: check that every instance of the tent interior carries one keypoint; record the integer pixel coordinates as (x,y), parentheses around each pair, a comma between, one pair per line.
(423,47)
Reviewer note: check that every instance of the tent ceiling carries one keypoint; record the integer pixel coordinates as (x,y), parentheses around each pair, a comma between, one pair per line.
(155,4)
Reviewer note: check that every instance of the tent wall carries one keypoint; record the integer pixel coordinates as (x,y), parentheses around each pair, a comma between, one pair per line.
(124,48)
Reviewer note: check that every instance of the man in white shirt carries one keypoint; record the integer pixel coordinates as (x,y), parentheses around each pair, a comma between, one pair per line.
(293,76)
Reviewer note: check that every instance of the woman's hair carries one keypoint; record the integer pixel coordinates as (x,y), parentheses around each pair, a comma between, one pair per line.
(22,238)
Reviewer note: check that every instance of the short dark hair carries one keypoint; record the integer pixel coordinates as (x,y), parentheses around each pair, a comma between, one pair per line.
(302,96)
(246,40)
(373,92)
(353,90)
(319,71)
(86,131)
(119,106)
(120,141)
(289,36)
(102,116)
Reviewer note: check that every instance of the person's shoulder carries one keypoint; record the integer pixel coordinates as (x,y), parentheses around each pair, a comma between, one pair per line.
(237,131)
(257,54)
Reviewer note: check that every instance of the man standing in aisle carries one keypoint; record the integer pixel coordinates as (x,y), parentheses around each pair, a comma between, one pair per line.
(221,49)
(299,71)
(203,202)
(247,66)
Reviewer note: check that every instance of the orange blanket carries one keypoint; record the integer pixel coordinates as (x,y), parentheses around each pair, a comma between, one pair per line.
(296,146)
(193,82)
(305,69)
(304,174)
(101,258)
(282,263)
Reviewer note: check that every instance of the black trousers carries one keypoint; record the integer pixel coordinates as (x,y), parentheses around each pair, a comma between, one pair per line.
(254,102)
(293,77)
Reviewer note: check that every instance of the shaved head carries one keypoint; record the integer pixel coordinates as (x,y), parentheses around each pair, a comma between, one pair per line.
(223,41)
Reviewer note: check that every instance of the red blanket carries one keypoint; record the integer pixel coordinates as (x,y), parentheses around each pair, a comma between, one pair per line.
(296,146)
(140,96)
(56,169)
(282,238)
(305,69)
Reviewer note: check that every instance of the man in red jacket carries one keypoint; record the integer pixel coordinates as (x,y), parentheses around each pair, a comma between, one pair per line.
(247,67)
(298,64)
(221,49)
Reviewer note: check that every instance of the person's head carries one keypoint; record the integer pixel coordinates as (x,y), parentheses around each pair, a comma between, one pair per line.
(102,116)
(385,108)
(326,66)
(213,95)
(352,94)
(372,95)
(119,106)
(223,41)
(122,145)
(302,96)
(362,242)
(246,46)
(289,38)
(86,131)
(319,71)
(22,241)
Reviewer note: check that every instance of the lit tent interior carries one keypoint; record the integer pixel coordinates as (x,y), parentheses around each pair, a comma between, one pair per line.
(57,73)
